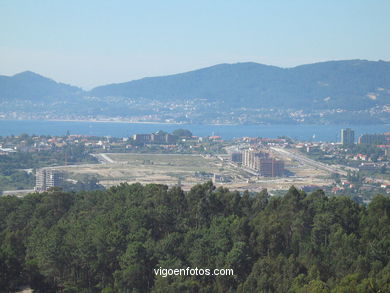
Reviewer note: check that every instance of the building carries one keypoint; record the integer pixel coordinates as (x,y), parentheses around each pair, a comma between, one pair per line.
(386,149)
(236,157)
(162,138)
(157,138)
(142,138)
(373,139)
(251,159)
(47,178)
(368,167)
(5,151)
(262,163)
(271,167)
(347,136)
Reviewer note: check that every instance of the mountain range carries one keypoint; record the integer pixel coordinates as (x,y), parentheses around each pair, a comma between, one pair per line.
(351,85)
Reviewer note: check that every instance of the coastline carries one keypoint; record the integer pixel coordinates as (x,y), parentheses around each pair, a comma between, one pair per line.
(122,121)
(110,121)
(125,128)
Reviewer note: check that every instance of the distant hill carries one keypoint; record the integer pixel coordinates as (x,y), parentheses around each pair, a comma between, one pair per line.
(31,86)
(351,84)
(339,92)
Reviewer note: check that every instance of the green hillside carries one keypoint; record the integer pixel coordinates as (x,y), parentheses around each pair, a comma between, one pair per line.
(351,84)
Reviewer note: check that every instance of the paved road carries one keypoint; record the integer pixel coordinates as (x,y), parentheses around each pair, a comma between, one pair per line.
(103,158)
(305,160)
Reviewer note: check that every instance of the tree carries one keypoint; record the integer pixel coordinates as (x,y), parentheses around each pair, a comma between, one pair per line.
(182,133)
(112,240)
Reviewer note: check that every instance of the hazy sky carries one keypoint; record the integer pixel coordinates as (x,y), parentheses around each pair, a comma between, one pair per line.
(89,43)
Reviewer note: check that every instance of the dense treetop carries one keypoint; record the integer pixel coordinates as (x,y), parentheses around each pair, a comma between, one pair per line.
(182,133)
(112,240)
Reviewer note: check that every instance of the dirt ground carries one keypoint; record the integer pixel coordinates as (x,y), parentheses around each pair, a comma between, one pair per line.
(174,169)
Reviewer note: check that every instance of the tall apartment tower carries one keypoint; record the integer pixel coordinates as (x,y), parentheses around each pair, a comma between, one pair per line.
(347,136)
(261,162)
(251,159)
(236,157)
(271,167)
(47,178)
(373,139)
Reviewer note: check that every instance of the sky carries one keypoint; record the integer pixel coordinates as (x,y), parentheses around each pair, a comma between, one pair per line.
(94,42)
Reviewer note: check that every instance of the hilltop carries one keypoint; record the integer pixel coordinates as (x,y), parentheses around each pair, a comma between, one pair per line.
(352,84)
(32,86)
(349,91)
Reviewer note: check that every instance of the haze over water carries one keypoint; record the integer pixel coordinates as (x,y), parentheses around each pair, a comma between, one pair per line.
(329,133)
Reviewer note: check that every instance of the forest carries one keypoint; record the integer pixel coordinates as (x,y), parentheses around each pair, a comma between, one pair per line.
(112,240)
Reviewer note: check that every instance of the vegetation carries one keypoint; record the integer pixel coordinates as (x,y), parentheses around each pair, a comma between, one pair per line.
(111,241)
(68,155)
(242,93)
(371,150)
(15,180)
(260,86)
(182,133)
(85,183)
(12,177)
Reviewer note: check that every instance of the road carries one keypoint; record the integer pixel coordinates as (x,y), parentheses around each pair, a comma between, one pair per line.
(103,158)
(305,160)
(333,169)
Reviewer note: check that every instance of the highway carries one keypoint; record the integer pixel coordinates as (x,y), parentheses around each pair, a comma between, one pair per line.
(305,160)
(103,158)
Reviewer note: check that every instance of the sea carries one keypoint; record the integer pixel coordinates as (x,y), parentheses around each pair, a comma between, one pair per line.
(324,133)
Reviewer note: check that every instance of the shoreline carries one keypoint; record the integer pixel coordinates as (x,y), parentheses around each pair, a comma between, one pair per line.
(177,123)
(120,121)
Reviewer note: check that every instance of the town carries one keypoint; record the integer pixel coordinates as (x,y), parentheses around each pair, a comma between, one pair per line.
(38,163)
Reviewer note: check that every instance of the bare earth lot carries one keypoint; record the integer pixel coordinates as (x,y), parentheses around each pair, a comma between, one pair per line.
(170,169)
